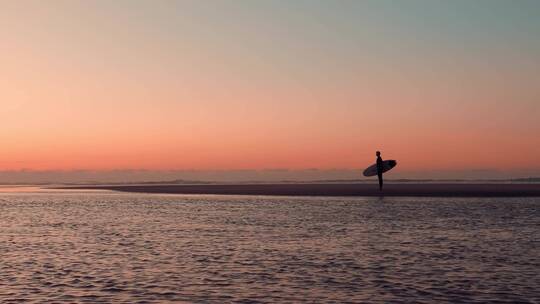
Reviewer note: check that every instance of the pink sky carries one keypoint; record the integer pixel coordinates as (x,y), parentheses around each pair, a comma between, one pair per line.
(139,86)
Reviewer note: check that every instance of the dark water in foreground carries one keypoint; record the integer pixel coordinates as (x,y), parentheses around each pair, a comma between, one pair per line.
(107,247)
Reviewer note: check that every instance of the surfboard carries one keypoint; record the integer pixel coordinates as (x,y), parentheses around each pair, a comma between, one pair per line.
(387,165)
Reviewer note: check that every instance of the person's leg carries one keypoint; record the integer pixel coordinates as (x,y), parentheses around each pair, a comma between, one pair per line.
(380,181)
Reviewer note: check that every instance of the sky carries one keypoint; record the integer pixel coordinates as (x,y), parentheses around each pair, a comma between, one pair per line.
(259,86)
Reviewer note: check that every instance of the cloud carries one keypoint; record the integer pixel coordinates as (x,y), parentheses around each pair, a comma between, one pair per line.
(267,175)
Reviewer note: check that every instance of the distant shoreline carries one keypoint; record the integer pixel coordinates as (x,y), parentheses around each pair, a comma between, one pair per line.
(333,189)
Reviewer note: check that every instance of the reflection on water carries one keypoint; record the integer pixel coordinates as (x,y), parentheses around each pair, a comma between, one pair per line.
(18,189)
(106,247)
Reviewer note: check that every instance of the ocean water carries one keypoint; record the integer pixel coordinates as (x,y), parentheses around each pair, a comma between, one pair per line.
(106,247)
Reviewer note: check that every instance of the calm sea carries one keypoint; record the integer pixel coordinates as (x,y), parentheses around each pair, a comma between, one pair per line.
(135,248)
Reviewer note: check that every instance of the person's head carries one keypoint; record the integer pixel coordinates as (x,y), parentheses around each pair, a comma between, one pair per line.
(378,153)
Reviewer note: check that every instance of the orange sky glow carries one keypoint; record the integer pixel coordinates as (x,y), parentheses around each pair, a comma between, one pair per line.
(108,86)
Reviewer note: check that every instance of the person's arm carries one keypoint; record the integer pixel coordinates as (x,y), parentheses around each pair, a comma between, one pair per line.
(379,164)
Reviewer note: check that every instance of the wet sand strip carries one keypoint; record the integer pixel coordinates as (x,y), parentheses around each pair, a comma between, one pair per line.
(320,189)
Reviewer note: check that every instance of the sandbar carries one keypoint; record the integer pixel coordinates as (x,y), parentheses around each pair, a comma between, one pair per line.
(335,189)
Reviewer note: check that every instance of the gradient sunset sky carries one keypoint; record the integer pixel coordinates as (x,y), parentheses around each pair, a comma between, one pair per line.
(234,85)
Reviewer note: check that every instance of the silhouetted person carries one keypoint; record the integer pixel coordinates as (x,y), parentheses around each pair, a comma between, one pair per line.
(379,169)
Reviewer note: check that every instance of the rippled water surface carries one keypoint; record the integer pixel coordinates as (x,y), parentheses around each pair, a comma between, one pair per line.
(110,247)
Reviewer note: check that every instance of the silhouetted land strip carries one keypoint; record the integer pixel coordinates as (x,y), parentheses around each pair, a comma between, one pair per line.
(432,190)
